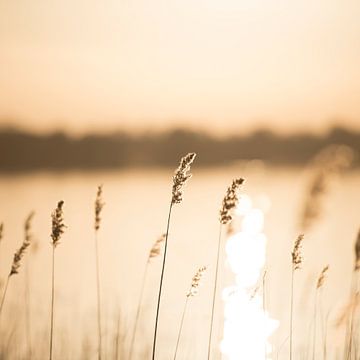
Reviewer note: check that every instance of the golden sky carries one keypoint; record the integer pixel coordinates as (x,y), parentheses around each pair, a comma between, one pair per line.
(214,64)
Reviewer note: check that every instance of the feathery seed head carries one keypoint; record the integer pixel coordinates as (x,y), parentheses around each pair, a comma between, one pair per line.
(196,280)
(357,252)
(156,249)
(230,201)
(26,243)
(1,231)
(58,225)
(99,204)
(296,253)
(321,278)
(181,176)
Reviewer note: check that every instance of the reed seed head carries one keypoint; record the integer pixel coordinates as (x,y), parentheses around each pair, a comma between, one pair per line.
(322,276)
(230,201)
(196,281)
(156,248)
(99,204)
(26,243)
(58,225)
(181,176)
(357,252)
(1,231)
(329,162)
(297,258)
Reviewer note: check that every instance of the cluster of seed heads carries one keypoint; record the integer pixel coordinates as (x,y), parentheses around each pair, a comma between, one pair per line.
(322,276)
(296,253)
(230,201)
(58,225)
(156,248)
(26,243)
(181,176)
(99,204)
(196,280)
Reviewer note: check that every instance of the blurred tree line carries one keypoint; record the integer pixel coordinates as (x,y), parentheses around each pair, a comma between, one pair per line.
(22,151)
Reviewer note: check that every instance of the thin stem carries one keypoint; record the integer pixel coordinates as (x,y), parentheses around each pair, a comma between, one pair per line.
(98,298)
(161,282)
(52,302)
(315,325)
(181,326)
(349,327)
(138,311)
(4,294)
(291,312)
(264,309)
(214,291)
(28,310)
(117,341)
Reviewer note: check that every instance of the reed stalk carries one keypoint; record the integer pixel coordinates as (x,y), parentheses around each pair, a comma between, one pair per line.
(154,252)
(296,265)
(58,227)
(229,203)
(19,254)
(180,178)
(99,204)
(194,288)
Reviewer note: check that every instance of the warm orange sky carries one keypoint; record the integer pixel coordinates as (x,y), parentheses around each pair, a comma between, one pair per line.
(218,64)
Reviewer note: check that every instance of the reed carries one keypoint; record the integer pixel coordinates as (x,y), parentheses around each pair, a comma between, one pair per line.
(99,204)
(354,294)
(229,203)
(19,254)
(181,176)
(153,253)
(297,260)
(58,228)
(29,238)
(319,285)
(193,291)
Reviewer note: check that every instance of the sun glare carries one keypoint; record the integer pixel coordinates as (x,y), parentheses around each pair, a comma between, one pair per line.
(247,324)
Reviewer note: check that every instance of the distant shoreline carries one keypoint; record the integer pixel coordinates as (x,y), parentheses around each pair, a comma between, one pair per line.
(26,152)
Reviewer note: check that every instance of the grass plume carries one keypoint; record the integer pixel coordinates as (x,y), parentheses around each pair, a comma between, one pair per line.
(99,204)
(154,252)
(193,291)
(297,260)
(57,229)
(19,254)
(329,162)
(319,284)
(181,176)
(228,205)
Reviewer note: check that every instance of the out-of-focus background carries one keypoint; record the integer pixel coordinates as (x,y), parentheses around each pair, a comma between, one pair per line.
(114,93)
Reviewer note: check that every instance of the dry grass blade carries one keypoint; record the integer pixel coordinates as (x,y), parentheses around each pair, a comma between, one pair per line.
(156,248)
(230,201)
(26,243)
(297,258)
(182,175)
(322,276)
(194,288)
(99,204)
(58,225)
(329,162)
(196,280)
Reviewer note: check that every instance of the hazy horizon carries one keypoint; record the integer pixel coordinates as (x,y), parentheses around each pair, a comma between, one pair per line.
(218,65)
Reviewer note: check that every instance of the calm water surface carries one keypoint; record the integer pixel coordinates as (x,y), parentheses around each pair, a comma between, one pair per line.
(134,216)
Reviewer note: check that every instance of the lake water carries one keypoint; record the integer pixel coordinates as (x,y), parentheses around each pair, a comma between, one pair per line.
(134,216)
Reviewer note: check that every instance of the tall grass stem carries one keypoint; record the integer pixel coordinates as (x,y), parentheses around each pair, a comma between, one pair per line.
(161,282)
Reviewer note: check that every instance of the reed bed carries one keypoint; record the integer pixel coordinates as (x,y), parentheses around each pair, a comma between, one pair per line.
(123,342)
